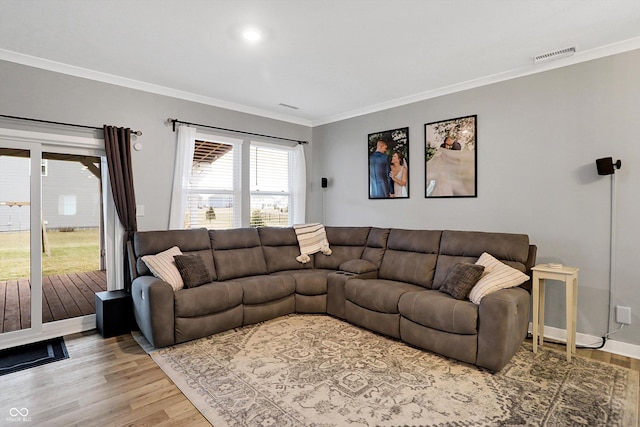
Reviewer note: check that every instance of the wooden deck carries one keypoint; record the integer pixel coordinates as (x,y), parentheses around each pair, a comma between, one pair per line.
(63,296)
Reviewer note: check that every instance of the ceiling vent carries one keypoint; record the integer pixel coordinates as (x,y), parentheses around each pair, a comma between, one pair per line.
(552,56)
(293,107)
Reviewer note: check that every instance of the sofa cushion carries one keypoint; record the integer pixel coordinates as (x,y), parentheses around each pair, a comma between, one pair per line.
(497,275)
(308,282)
(346,243)
(467,246)
(192,270)
(163,266)
(462,277)
(237,253)
(411,256)
(376,294)
(262,289)
(207,299)
(437,310)
(376,245)
(280,248)
(153,242)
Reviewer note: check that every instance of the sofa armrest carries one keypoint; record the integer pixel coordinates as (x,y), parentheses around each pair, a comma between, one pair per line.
(503,318)
(358,266)
(153,308)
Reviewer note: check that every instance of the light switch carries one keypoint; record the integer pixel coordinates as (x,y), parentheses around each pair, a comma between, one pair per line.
(139,210)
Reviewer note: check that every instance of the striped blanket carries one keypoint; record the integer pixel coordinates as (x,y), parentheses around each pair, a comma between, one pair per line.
(311,238)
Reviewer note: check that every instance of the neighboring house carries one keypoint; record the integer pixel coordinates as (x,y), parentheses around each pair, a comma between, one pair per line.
(71,194)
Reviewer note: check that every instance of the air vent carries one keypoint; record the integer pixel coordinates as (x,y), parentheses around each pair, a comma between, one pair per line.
(552,56)
(293,107)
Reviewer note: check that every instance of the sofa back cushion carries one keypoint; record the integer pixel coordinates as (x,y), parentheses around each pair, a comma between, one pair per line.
(280,248)
(237,253)
(346,243)
(467,246)
(193,241)
(411,256)
(376,245)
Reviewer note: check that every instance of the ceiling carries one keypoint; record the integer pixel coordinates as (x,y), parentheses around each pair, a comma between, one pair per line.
(333,59)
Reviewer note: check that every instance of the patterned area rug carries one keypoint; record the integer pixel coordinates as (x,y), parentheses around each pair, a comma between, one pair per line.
(314,370)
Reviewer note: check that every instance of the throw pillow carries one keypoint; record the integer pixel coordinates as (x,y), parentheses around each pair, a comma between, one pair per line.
(192,270)
(164,267)
(497,275)
(460,279)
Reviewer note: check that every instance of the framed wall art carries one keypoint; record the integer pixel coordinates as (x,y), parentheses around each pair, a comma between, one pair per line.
(451,158)
(389,164)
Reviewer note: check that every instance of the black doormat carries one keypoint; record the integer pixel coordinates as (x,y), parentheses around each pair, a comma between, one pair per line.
(30,355)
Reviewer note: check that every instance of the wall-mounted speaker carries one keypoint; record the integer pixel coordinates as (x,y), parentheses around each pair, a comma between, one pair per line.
(606,166)
(324,182)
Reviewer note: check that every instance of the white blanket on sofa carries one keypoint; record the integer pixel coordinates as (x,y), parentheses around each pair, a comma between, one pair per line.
(312,238)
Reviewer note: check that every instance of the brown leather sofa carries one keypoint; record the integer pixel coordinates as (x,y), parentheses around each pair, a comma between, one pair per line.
(385,280)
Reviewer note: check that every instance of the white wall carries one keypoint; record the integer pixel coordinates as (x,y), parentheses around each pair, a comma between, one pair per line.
(538,138)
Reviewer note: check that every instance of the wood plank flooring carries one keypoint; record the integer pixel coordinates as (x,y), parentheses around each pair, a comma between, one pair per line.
(63,296)
(113,382)
(105,382)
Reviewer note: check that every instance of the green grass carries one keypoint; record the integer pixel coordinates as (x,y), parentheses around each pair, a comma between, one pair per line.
(71,252)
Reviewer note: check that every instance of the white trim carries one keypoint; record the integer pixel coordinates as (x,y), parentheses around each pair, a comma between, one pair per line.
(55,329)
(59,140)
(611,346)
(72,70)
(601,52)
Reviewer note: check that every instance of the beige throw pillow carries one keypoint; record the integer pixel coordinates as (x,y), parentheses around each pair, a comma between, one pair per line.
(497,275)
(163,266)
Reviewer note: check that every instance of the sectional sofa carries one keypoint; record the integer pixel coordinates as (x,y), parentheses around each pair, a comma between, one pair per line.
(385,280)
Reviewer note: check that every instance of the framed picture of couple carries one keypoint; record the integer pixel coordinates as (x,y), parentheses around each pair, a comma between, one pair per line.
(389,164)
(450,156)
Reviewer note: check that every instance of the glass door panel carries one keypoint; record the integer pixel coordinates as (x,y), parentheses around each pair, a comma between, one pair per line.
(72,268)
(15,239)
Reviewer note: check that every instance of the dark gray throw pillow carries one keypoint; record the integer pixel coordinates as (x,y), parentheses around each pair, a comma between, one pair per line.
(193,270)
(461,279)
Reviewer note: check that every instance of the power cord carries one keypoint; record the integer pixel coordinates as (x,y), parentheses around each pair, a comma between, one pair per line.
(589,346)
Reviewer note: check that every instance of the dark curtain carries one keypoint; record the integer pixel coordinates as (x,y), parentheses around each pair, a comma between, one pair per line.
(117,144)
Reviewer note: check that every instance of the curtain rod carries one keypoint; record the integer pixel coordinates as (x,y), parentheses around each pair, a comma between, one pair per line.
(174,121)
(134,132)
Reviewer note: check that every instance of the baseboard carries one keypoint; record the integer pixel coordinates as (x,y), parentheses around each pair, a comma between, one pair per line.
(611,346)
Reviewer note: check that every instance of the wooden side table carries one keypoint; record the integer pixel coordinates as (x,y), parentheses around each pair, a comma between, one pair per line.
(568,275)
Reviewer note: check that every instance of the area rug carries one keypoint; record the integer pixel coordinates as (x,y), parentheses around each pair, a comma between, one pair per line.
(314,370)
(30,355)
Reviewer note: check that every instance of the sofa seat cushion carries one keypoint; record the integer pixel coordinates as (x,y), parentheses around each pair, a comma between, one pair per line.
(265,288)
(308,282)
(207,299)
(437,310)
(377,294)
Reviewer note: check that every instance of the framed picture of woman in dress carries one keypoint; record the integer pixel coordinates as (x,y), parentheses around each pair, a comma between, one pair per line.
(451,158)
(389,164)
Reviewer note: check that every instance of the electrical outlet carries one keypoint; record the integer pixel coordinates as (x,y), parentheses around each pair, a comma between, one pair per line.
(623,315)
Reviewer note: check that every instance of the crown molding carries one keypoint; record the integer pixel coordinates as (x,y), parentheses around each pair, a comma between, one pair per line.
(589,55)
(72,70)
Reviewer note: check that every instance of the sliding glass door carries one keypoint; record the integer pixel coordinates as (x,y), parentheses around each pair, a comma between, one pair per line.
(52,255)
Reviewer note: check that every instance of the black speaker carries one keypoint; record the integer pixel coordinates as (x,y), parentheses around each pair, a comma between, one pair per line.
(606,166)
(324,182)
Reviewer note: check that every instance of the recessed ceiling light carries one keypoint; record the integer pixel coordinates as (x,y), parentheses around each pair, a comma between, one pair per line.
(251,35)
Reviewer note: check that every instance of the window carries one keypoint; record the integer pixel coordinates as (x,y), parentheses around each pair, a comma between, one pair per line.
(214,191)
(232,183)
(270,185)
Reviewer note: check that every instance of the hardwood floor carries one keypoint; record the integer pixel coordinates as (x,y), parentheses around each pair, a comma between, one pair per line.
(113,382)
(105,382)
